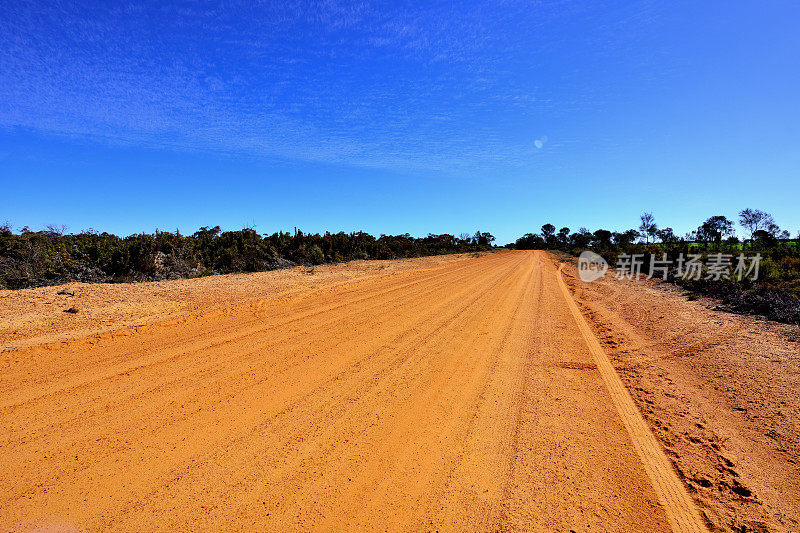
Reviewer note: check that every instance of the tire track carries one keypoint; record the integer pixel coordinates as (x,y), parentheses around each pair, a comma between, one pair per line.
(682,512)
(406,402)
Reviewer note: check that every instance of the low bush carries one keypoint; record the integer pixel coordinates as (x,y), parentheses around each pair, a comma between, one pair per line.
(30,259)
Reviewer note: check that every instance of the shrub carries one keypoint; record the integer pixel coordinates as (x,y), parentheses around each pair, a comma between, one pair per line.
(315,255)
(31,259)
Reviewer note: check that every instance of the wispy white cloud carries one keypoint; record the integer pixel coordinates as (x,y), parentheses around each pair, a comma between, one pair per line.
(418,87)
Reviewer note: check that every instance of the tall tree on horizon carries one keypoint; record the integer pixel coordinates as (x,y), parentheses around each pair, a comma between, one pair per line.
(648,227)
(754,219)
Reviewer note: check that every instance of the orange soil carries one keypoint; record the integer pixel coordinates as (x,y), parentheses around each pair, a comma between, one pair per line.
(453,394)
(719,390)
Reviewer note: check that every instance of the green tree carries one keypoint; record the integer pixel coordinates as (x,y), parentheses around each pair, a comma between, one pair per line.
(602,238)
(626,237)
(648,227)
(666,235)
(714,229)
(549,235)
(483,239)
(754,219)
(563,237)
(581,239)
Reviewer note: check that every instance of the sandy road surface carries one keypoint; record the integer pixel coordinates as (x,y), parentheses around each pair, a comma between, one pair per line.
(720,392)
(463,396)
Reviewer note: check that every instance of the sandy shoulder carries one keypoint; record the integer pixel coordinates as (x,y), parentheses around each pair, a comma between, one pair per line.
(30,317)
(719,391)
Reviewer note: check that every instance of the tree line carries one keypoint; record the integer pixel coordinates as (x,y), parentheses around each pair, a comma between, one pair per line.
(717,232)
(52,256)
(775,294)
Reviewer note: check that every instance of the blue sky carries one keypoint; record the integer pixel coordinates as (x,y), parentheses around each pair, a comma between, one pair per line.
(397,116)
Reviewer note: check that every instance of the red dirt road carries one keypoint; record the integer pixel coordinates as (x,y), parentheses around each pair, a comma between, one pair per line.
(469,395)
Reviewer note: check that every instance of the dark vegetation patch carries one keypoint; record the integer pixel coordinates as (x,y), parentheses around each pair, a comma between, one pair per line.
(775,301)
(51,257)
(774,294)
